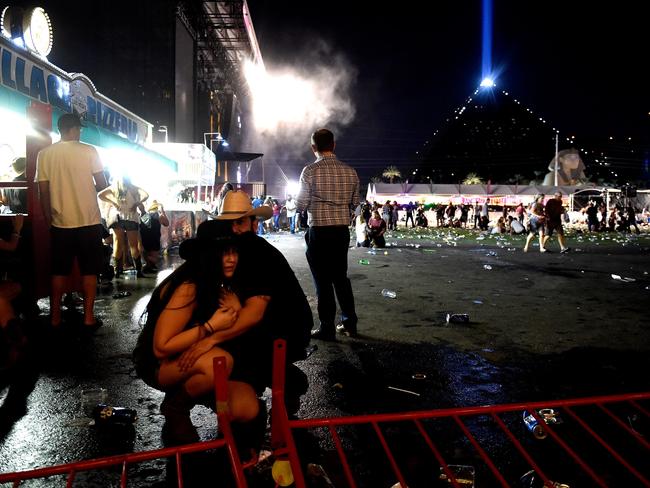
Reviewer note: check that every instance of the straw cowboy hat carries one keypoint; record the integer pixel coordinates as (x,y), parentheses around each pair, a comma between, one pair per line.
(237,204)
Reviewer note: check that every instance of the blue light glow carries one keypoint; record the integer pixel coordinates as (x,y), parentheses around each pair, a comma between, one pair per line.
(487,83)
(487,40)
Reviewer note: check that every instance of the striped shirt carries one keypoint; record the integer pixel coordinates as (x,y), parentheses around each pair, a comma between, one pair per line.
(329,190)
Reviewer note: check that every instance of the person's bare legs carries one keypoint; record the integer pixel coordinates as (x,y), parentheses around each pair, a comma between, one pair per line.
(59,284)
(541,241)
(89,289)
(530,237)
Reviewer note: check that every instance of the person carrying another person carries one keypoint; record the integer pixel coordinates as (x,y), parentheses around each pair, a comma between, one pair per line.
(329,191)
(536,219)
(127,199)
(69,175)
(554,212)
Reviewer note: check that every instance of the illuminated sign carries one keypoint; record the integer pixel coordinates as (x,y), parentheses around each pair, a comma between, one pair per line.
(68,93)
(29,28)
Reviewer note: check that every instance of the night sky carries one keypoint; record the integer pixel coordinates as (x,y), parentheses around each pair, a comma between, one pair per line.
(578,64)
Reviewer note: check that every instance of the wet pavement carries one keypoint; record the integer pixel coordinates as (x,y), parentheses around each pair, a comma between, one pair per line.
(542,326)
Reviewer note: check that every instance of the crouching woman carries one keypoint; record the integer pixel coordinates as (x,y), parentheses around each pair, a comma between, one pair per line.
(177,346)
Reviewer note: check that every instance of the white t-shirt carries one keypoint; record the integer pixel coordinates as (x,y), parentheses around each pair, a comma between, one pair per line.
(517,228)
(361,230)
(69,167)
(291,208)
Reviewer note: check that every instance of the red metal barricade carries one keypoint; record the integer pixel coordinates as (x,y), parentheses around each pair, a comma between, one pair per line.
(226,441)
(610,451)
(600,442)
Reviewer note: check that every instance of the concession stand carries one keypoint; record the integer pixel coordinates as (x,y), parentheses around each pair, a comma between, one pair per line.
(33,95)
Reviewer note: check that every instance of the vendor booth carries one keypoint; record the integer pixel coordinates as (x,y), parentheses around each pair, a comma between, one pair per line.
(33,95)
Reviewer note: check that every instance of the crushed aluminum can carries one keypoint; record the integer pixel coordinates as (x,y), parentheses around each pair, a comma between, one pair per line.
(550,416)
(457,318)
(534,426)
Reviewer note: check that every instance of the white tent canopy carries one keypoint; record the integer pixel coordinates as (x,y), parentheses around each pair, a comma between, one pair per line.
(427,194)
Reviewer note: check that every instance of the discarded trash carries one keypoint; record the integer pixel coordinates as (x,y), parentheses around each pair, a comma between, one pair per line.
(121,294)
(309,350)
(457,318)
(419,376)
(364,261)
(315,472)
(372,251)
(281,472)
(478,302)
(487,266)
(620,278)
(388,293)
(403,391)
(551,416)
(338,385)
(385,253)
(529,479)
(91,398)
(492,253)
(463,474)
(534,426)
(107,415)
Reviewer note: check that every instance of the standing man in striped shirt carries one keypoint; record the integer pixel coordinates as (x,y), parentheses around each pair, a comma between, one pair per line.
(329,191)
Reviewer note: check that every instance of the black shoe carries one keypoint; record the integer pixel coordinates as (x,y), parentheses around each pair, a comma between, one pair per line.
(178,428)
(346,330)
(323,335)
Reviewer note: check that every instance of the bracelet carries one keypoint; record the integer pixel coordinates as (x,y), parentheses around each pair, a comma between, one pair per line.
(209,326)
(205,329)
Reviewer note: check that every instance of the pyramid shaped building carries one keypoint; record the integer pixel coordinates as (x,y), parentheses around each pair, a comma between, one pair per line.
(492,135)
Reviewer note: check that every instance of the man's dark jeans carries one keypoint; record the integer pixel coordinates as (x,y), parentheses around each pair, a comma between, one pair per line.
(327,255)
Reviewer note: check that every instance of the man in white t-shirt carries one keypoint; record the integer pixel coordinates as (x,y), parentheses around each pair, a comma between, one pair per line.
(69,175)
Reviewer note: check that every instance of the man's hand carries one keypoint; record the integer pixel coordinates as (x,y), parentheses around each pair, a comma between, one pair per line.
(230,300)
(223,318)
(191,355)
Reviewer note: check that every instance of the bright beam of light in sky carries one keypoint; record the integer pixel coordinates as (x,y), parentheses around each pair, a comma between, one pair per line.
(486,66)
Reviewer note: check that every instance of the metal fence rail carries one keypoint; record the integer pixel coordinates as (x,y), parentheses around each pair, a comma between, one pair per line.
(575,441)
(597,441)
(126,460)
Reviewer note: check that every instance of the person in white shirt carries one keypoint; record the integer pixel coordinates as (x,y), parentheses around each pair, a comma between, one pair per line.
(69,175)
(290,205)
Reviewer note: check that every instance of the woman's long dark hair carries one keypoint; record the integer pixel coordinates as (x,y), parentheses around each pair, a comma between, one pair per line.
(204,269)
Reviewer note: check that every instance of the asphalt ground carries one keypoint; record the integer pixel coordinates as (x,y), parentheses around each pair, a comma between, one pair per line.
(542,327)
